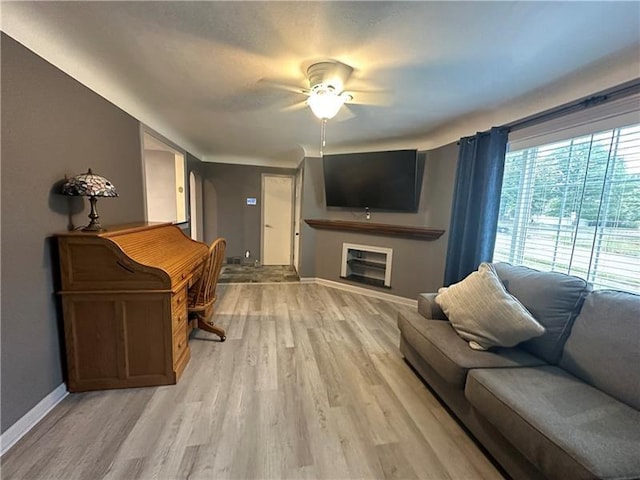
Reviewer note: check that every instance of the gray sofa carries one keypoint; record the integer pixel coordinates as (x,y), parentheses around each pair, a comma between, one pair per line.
(561,406)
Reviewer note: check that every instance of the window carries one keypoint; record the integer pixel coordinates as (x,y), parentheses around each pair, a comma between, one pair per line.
(573,206)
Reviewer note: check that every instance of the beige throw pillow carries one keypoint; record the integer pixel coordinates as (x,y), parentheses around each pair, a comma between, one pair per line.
(485,314)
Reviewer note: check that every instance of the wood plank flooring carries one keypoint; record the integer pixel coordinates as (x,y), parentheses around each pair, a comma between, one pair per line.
(309,384)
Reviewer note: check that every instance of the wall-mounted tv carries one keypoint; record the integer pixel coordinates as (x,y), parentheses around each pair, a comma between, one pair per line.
(389,180)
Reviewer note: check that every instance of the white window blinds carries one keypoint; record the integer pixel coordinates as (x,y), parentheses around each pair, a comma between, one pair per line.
(573,206)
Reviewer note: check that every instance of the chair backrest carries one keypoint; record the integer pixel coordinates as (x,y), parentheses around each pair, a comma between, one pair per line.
(205,289)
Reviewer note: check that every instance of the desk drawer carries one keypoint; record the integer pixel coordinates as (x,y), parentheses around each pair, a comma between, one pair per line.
(179,312)
(179,300)
(178,319)
(180,343)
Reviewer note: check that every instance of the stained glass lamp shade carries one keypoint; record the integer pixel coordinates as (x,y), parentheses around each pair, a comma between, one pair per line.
(90,185)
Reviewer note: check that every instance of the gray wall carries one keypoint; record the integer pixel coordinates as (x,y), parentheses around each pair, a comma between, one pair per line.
(51,126)
(226,214)
(418,266)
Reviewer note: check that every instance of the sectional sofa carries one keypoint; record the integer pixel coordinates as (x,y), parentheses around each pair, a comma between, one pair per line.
(561,406)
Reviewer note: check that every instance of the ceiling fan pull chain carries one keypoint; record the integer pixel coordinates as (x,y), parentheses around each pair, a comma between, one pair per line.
(323,134)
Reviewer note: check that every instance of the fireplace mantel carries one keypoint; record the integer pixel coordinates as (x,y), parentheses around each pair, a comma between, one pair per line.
(416,233)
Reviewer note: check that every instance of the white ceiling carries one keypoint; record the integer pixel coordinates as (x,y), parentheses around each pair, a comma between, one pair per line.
(192,70)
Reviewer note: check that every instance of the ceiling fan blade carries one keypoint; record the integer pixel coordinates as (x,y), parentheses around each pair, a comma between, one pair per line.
(370,97)
(295,107)
(345,113)
(283,86)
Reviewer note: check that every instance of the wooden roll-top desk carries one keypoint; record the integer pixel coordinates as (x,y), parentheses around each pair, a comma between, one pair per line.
(124,301)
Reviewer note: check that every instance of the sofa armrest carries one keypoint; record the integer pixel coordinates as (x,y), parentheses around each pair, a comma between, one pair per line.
(428,308)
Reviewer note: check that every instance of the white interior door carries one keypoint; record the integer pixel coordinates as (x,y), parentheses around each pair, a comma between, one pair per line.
(277,219)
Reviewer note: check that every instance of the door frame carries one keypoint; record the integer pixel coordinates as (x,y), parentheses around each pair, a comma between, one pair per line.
(291,203)
(194,208)
(155,141)
(297,217)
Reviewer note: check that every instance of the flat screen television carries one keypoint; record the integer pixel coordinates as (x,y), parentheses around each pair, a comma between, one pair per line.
(389,180)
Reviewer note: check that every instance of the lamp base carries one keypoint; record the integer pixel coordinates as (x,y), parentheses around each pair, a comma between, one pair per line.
(93,228)
(94,224)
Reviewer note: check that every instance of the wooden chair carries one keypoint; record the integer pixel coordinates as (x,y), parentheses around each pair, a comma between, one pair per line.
(202,295)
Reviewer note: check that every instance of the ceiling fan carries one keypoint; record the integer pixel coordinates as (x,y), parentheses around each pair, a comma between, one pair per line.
(326,93)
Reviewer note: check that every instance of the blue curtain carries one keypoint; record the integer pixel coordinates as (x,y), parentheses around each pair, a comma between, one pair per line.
(476,202)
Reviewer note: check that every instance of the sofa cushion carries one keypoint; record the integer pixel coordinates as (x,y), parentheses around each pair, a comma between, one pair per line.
(604,346)
(553,298)
(566,427)
(449,355)
(484,313)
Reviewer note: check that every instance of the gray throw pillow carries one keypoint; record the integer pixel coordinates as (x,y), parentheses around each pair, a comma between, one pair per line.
(553,298)
(485,314)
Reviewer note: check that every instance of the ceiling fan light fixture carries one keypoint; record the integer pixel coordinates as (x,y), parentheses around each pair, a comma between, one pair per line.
(325,102)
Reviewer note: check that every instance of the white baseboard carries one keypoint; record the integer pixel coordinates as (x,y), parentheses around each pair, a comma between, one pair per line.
(362,291)
(19,429)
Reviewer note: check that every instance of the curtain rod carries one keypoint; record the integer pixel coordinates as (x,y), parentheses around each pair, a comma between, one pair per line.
(624,90)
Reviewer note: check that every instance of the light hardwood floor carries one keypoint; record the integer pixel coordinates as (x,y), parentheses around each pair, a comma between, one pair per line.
(309,384)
